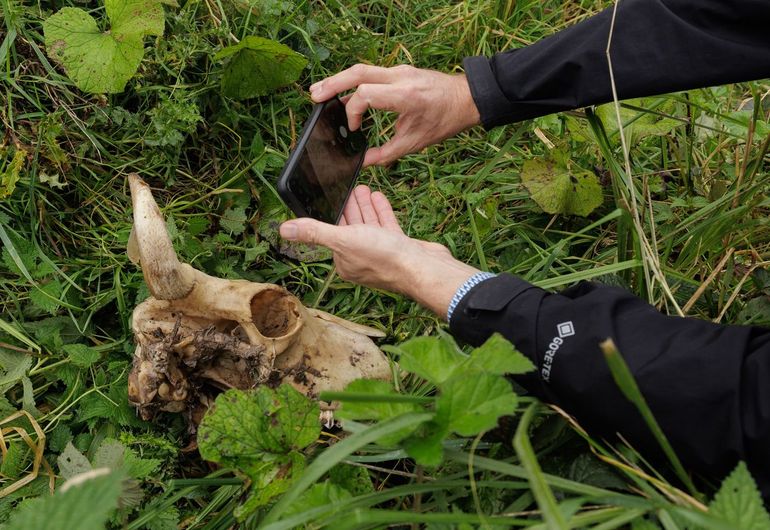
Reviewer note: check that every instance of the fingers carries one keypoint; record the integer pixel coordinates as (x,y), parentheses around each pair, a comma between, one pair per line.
(376,96)
(384,211)
(359,208)
(348,79)
(308,230)
(364,198)
(390,151)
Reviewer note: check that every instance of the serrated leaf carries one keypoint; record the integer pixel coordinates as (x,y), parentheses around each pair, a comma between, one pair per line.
(72,462)
(85,506)
(270,478)
(139,468)
(10,174)
(739,503)
(81,355)
(243,426)
(258,66)
(498,356)
(376,410)
(166,518)
(59,437)
(109,454)
(14,367)
(432,358)
(556,189)
(47,296)
(102,62)
(234,220)
(473,401)
(15,459)
(354,479)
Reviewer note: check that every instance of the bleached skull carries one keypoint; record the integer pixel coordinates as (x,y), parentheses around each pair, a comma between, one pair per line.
(198,334)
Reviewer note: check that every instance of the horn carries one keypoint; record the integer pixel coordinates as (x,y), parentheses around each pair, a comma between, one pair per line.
(167,278)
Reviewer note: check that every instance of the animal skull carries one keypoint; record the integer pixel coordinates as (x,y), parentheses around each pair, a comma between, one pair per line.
(198,334)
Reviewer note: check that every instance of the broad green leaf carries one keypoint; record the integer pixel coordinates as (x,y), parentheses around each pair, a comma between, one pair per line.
(135,17)
(321,494)
(234,220)
(354,479)
(556,189)
(739,503)
(110,454)
(270,478)
(472,401)
(638,124)
(378,411)
(425,445)
(498,356)
(244,426)
(81,355)
(258,66)
(85,506)
(72,462)
(14,367)
(432,358)
(10,173)
(15,459)
(102,62)
(47,296)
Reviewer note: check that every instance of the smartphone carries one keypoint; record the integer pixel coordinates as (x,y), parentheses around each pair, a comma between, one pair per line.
(322,169)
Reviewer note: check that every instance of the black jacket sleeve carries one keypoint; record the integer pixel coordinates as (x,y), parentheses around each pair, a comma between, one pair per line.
(658,46)
(708,385)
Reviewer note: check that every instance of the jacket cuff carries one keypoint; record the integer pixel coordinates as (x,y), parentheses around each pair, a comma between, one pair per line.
(487,94)
(510,306)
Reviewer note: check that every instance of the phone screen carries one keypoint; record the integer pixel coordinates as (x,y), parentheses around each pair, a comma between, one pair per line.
(327,164)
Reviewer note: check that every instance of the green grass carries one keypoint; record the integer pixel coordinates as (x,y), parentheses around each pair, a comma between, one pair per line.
(65,277)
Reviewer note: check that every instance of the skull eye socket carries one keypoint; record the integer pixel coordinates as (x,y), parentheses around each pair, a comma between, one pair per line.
(274,313)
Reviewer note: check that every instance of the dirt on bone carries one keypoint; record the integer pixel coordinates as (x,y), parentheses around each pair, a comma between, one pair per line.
(172,371)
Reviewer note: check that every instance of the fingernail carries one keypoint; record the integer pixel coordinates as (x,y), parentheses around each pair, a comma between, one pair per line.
(315,88)
(289,231)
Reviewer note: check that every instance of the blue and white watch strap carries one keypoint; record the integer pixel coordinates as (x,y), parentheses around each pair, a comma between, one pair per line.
(469,284)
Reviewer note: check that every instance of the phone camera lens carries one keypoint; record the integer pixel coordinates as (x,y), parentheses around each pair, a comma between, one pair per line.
(343,131)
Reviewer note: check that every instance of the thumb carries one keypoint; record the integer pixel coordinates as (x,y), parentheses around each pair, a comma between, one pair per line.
(308,230)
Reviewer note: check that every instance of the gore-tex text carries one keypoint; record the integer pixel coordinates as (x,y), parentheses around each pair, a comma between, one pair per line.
(564,330)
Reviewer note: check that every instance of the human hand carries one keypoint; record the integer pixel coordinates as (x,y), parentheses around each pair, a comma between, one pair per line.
(431,106)
(370,248)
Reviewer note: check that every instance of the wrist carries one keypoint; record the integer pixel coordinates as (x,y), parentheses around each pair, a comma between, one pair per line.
(433,276)
(468,109)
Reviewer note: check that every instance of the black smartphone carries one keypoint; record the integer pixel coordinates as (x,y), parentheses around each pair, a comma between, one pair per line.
(322,169)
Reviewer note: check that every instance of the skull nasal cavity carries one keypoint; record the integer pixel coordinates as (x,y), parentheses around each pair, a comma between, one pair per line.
(274,313)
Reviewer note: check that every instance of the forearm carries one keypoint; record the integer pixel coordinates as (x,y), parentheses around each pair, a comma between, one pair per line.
(658,46)
(702,381)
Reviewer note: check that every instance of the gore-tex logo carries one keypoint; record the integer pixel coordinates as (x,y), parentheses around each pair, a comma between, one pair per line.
(563,330)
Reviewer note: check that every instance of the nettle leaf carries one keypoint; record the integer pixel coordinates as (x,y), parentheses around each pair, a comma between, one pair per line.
(243,426)
(739,503)
(13,368)
(258,66)
(102,62)
(432,358)
(377,410)
(234,220)
(81,355)
(85,505)
(72,462)
(557,189)
(498,356)
(471,402)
